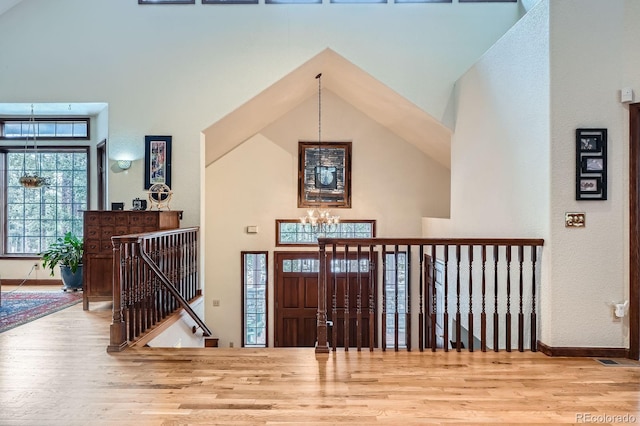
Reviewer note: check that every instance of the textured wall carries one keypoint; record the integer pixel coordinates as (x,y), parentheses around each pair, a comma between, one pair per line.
(588,266)
(500,171)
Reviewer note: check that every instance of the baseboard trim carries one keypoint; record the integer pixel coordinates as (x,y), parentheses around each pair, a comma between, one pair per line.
(15,282)
(583,351)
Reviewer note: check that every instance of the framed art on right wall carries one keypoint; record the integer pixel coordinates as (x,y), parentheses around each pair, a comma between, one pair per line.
(591,164)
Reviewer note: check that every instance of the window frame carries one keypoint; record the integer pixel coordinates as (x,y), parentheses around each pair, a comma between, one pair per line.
(279,242)
(4,150)
(5,120)
(243,298)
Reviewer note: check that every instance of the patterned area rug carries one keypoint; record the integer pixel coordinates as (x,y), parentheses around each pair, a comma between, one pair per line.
(24,306)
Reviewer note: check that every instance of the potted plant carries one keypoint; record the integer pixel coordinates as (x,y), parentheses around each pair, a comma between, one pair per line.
(66,252)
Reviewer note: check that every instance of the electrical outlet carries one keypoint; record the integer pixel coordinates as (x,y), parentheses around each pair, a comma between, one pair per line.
(230,344)
(36,266)
(216,303)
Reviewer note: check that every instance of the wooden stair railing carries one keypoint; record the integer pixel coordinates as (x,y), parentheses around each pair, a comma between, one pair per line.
(454,279)
(155,274)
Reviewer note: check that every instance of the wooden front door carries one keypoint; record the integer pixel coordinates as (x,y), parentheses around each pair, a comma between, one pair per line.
(296,300)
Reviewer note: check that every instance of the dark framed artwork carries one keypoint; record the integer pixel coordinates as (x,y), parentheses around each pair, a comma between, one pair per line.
(166,1)
(324,174)
(591,164)
(157,160)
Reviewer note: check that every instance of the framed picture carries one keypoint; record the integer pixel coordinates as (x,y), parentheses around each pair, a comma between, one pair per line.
(324,174)
(157,160)
(591,164)
(590,185)
(166,1)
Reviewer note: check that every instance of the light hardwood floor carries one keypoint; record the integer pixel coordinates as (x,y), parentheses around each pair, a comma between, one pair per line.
(56,371)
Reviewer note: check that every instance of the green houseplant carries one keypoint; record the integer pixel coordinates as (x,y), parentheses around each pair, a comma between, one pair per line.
(66,252)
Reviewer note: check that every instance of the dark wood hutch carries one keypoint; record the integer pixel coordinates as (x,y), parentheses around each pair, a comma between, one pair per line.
(99,227)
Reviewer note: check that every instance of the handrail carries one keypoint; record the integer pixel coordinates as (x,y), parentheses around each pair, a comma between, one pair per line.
(449,286)
(169,286)
(155,273)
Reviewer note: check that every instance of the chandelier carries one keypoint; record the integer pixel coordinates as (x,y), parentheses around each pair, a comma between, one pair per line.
(32,180)
(319,220)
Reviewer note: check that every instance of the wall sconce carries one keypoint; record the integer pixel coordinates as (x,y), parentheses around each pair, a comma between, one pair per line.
(124,164)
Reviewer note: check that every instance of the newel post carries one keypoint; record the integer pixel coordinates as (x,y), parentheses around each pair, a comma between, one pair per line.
(118,331)
(322,346)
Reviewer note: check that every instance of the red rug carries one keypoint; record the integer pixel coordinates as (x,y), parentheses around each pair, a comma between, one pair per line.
(21,307)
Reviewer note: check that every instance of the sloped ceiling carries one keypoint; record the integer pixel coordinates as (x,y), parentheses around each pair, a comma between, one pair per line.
(349,82)
(7,4)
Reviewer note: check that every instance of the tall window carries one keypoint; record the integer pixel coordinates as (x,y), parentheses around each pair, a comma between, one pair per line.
(395,284)
(37,217)
(254,299)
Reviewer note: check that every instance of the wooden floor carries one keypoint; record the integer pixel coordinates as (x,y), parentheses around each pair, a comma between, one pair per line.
(56,371)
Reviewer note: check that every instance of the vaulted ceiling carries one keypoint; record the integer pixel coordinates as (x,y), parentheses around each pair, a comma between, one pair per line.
(349,82)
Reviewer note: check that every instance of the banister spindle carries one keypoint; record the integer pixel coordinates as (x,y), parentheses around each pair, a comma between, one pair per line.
(396,314)
(372,297)
(470,342)
(335,262)
(534,337)
(520,312)
(384,298)
(483,314)
(496,322)
(420,300)
(508,315)
(345,293)
(407,322)
(359,329)
(458,316)
(434,300)
(445,321)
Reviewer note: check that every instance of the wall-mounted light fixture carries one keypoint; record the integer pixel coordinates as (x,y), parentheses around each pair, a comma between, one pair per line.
(124,164)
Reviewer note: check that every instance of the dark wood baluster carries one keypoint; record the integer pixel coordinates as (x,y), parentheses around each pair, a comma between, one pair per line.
(384,298)
(346,300)
(458,316)
(359,301)
(496,322)
(434,301)
(483,314)
(445,321)
(508,315)
(470,343)
(420,312)
(194,262)
(133,311)
(534,337)
(322,345)
(396,314)
(154,281)
(407,322)
(520,312)
(146,280)
(335,262)
(118,328)
(372,297)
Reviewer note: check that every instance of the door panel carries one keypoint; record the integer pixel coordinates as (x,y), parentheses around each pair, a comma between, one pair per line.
(296,301)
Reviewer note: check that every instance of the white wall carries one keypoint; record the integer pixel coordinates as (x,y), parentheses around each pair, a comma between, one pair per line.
(500,146)
(176,69)
(588,266)
(500,150)
(393,183)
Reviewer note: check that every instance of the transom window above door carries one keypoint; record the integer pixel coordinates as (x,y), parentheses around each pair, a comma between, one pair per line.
(290,232)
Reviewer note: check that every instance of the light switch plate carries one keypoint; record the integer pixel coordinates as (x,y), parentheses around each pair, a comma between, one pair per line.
(574,220)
